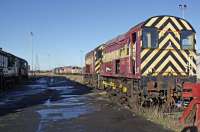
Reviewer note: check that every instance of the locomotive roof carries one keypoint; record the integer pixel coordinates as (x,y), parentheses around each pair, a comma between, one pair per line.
(91,52)
(9,54)
(181,23)
(152,21)
(178,23)
(122,36)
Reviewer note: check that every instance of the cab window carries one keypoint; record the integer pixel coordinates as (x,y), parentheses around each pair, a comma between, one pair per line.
(187,39)
(117,67)
(150,38)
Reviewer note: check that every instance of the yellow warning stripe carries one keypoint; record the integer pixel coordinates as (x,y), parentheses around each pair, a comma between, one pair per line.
(166,28)
(186,24)
(164,19)
(169,71)
(193,65)
(169,37)
(179,58)
(184,54)
(188,59)
(176,23)
(154,52)
(158,59)
(193,54)
(170,59)
(191,60)
(98,61)
(144,52)
(97,67)
(167,74)
(150,22)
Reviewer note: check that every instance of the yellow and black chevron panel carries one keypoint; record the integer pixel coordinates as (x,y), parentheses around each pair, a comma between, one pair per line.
(162,22)
(168,57)
(98,58)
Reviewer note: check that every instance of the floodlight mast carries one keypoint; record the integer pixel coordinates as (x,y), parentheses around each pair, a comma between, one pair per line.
(183,8)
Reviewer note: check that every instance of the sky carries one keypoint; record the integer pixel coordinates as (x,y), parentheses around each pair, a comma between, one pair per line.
(65,30)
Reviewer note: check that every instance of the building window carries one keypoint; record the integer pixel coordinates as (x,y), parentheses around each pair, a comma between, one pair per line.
(150,38)
(187,39)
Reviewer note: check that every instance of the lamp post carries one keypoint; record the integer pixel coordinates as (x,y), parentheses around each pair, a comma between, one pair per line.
(183,7)
(49,58)
(31,34)
(81,61)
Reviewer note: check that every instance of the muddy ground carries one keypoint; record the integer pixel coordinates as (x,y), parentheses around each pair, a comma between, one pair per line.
(56,104)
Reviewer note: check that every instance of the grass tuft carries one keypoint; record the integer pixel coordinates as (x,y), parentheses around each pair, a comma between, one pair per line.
(156,115)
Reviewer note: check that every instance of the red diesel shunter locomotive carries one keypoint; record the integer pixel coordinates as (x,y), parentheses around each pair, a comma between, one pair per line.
(149,63)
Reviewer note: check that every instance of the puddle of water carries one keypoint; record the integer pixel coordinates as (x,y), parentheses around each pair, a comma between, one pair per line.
(61,88)
(48,102)
(55,114)
(68,106)
(2,103)
(71,106)
(42,81)
(36,86)
(72,101)
(68,96)
(70,87)
(58,83)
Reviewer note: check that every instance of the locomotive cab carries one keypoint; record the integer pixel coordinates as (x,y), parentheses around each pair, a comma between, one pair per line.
(168,56)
